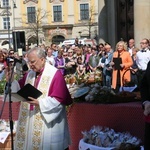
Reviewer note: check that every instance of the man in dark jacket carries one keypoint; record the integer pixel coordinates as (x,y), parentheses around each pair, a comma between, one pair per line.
(145,95)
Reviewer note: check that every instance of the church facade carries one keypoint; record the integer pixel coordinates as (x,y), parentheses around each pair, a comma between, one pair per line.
(47,21)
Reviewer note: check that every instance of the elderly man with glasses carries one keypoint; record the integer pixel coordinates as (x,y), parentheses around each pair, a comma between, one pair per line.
(42,123)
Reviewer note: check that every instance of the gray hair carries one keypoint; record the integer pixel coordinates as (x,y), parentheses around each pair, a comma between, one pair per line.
(39,51)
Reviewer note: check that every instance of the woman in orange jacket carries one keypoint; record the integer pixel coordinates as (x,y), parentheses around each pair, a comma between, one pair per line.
(121,62)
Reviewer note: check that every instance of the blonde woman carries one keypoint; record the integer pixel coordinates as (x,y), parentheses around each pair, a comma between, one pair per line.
(121,62)
(79,53)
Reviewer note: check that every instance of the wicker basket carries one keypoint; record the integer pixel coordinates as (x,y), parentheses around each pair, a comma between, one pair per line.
(7,144)
(91,80)
(123,80)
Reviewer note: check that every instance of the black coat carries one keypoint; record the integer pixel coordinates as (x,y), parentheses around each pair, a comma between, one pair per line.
(145,85)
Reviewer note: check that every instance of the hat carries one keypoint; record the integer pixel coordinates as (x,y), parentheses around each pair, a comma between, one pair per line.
(4,50)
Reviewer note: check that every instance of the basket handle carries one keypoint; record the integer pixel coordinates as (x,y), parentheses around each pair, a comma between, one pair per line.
(123,82)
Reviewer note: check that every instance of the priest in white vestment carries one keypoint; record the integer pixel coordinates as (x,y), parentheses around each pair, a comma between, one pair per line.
(42,123)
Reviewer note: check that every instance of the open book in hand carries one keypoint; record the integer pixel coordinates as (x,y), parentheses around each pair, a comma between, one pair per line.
(27,91)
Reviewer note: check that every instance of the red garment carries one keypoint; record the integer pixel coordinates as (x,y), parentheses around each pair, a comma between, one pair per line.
(147,118)
(58,88)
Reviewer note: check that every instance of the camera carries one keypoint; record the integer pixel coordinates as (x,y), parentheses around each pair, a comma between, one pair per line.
(9,60)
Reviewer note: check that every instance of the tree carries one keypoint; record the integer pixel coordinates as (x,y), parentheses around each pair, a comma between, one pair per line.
(91,20)
(35,21)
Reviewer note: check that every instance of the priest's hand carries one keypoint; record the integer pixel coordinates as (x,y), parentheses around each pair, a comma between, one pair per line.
(33,101)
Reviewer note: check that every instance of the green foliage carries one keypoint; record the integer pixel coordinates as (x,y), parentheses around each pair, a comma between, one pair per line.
(2,85)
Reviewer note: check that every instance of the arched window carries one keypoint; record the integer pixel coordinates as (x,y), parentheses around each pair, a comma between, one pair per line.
(58,39)
(32,40)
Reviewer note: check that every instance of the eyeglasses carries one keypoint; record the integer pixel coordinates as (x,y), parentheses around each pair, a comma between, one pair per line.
(65,55)
(143,43)
(33,62)
(11,53)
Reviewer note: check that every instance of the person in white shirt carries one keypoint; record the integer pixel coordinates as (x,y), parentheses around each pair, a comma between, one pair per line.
(143,57)
(55,50)
(50,56)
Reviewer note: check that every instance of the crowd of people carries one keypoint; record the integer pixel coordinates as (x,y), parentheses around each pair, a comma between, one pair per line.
(80,59)
(42,122)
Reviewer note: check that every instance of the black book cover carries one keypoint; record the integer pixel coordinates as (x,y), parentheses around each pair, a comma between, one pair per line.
(117,62)
(27,91)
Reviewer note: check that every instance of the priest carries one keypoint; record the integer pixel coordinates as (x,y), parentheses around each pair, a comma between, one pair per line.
(42,122)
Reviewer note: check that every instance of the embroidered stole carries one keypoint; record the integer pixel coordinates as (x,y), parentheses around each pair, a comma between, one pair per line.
(24,115)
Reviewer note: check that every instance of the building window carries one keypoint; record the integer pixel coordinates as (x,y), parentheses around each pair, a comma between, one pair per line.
(6,23)
(5,3)
(31,15)
(84,11)
(57,10)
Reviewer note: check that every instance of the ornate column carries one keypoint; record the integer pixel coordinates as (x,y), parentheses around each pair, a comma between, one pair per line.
(102,21)
(111,22)
(107,21)
(141,20)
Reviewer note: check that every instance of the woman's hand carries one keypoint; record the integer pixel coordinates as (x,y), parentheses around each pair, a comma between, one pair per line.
(94,69)
(122,65)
